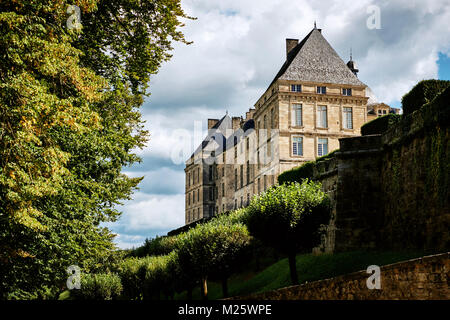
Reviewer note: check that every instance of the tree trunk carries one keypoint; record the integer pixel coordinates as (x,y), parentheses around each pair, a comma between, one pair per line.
(204,288)
(225,287)
(293,268)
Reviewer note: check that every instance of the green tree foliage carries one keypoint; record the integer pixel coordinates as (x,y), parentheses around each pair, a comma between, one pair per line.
(288,217)
(101,286)
(155,247)
(69,121)
(212,249)
(423,92)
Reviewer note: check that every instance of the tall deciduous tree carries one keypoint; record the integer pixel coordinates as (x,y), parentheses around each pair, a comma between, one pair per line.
(69,121)
(288,217)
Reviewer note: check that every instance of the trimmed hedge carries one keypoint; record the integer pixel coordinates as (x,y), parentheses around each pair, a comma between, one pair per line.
(380,124)
(305,171)
(298,174)
(101,286)
(424,92)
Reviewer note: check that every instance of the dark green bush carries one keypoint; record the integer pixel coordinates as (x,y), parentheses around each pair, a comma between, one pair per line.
(424,92)
(298,174)
(158,273)
(102,286)
(305,171)
(380,124)
(154,247)
(132,282)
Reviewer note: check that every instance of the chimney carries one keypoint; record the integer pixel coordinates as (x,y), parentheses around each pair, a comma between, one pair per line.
(212,123)
(290,44)
(236,122)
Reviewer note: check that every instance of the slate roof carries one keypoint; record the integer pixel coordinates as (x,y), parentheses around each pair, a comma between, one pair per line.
(314,60)
(214,134)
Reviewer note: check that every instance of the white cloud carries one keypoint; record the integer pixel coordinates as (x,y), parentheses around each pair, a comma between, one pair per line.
(239,46)
(152,212)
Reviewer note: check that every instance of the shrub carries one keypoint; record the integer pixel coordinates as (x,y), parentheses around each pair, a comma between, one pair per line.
(158,273)
(425,91)
(380,124)
(210,249)
(101,286)
(128,271)
(305,171)
(288,217)
(155,247)
(298,174)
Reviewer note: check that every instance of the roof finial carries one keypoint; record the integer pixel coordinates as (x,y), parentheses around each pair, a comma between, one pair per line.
(315,27)
(351,56)
(226,112)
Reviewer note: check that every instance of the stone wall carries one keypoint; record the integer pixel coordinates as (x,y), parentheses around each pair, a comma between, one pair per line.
(425,278)
(391,191)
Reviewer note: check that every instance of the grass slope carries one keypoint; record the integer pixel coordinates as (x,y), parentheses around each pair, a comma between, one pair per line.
(309,268)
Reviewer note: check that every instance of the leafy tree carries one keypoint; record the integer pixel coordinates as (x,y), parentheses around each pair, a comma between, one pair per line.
(288,217)
(100,286)
(155,247)
(212,248)
(69,119)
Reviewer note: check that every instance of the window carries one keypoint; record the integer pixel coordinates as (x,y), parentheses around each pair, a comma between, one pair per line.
(193,196)
(242,175)
(198,195)
(223,189)
(248,172)
(189,179)
(223,171)
(211,176)
(322,147)
(384,111)
(248,198)
(259,185)
(297,115)
(296,88)
(272,118)
(235,204)
(348,118)
(347,91)
(189,199)
(235,152)
(265,122)
(297,146)
(322,90)
(211,194)
(198,174)
(211,211)
(223,208)
(322,117)
(242,201)
(235,179)
(248,144)
(265,182)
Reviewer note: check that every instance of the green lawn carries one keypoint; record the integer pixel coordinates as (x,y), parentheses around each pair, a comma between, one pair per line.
(309,268)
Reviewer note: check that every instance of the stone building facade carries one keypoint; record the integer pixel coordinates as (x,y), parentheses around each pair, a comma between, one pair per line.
(314,100)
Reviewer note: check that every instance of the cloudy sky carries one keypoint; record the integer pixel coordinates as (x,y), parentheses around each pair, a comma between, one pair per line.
(239,45)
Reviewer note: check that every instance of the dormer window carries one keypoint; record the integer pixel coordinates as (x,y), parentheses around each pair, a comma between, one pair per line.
(347,91)
(322,90)
(296,88)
